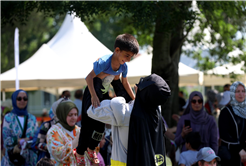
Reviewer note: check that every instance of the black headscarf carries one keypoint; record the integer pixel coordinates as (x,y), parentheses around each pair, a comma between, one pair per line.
(153,91)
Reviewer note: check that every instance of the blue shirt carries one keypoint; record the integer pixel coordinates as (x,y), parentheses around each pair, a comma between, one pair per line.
(104,65)
(188,157)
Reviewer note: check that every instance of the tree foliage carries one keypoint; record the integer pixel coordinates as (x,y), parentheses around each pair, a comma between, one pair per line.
(165,25)
(36,31)
(225,22)
(223,19)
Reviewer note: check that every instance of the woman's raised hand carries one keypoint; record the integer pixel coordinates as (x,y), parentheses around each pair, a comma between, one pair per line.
(186,130)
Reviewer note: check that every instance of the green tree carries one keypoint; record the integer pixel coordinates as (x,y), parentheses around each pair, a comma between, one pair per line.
(32,34)
(168,32)
(166,26)
(36,31)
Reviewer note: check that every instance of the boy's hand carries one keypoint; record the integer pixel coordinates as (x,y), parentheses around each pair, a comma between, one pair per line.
(95,101)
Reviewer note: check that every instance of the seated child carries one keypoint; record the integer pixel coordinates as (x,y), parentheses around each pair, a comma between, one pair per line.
(192,143)
(105,70)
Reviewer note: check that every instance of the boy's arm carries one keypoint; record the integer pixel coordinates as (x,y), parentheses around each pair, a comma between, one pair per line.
(128,87)
(89,80)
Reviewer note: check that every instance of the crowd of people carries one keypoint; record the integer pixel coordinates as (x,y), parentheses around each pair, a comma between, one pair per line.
(128,128)
(58,138)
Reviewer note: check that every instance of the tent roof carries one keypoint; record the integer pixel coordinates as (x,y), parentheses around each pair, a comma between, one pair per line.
(73,40)
(68,57)
(26,71)
(141,66)
(63,62)
(227,69)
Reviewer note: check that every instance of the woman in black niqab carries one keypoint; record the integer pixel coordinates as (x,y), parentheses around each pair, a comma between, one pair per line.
(146,140)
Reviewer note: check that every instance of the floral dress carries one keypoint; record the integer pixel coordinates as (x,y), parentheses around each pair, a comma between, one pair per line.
(59,144)
(12,131)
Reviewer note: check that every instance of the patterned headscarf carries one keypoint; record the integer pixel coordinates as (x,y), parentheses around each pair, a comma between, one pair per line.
(16,110)
(239,108)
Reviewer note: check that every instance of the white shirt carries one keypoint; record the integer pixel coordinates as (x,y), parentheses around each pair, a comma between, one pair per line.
(21,120)
(117,113)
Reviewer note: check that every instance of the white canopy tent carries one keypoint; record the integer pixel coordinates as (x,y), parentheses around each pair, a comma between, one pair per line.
(65,61)
(141,66)
(213,79)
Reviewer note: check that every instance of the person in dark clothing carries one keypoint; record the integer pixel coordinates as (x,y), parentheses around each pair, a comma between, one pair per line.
(104,149)
(142,118)
(78,102)
(226,87)
(232,127)
(145,140)
(211,100)
(182,102)
(65,94)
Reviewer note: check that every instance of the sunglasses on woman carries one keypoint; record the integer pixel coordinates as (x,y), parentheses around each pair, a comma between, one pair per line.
(194,101)
(20,98)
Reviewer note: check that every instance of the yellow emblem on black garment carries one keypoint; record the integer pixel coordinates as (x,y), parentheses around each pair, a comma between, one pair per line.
(159,159)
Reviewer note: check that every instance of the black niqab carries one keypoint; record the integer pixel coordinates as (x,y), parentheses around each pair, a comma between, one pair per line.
(146,140)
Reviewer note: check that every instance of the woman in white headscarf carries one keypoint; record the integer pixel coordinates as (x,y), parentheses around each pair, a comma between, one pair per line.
(232,127)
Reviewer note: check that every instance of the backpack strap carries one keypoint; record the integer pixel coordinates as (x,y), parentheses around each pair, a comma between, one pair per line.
(25,127)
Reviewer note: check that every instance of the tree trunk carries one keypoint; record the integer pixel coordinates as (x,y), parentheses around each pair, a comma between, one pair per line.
(166,57)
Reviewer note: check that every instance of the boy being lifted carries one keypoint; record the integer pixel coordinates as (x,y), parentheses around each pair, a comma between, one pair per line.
(105,70)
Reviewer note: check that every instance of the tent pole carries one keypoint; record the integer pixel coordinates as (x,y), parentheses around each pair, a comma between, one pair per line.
(4,95)
(203,90)
(57,94)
